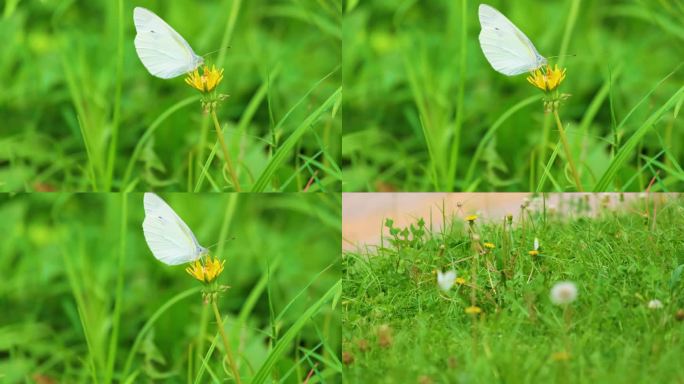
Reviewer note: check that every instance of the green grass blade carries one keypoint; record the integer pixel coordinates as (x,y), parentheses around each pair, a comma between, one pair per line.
(150,322)
(113,144)
(148,134)
(285,341)
(284,150)
(627,150)
(458,125)
(492,131)
(116,320)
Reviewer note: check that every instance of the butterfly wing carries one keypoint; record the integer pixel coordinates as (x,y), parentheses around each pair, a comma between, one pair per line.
(167,235)
(506,48)
(162,50)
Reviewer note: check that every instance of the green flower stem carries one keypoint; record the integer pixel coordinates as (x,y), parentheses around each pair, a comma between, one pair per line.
(226,342)
(568,153)
(224,147)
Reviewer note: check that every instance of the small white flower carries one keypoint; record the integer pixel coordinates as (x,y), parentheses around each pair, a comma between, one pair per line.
(564,292)
(446,280)
(536,244)
(655,304)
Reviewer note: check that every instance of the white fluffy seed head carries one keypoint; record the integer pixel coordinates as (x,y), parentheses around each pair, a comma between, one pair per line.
(564,292)
(446,280)
(655,304)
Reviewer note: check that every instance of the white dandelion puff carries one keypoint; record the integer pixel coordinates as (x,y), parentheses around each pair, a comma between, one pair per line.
(564,292)
(655,304)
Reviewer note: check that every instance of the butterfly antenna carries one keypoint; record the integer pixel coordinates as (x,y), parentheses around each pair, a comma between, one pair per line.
(218,50)
(566,55)
(217,243)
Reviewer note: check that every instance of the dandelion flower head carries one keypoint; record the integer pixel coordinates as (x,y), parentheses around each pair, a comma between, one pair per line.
(547,78)
(206,271)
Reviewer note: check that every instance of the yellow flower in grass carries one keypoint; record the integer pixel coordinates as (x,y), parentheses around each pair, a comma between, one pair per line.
(489,245)
(460,281)
(546,78)
(206,272)
(473,310)
(560,356)
(534,253)
(471,218)
(207,81)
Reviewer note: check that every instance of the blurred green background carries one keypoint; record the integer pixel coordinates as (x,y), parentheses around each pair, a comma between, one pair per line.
(78,271)
(406,63)
(80,112)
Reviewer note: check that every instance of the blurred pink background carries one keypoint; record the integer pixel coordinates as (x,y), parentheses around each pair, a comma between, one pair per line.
(363,214)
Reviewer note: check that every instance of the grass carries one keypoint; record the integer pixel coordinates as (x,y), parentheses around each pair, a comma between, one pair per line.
(85,301)
(398,326)
(424,110)
(81,113)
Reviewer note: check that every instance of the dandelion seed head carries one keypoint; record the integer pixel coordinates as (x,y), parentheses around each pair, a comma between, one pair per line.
(655,304)
(564,292)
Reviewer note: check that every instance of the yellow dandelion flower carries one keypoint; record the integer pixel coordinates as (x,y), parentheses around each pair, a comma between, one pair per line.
(547,79)
(207,81)
(460,281)
(533,252)
(560,356)
(471,218)
(206,272)
(473,310)
(489,245)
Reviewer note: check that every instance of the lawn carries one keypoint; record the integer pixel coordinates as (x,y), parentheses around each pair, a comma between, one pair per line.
(425,111)
(81,113)
(497,321)
(83,300)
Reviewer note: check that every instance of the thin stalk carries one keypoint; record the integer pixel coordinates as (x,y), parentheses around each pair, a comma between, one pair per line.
(568,153)
(116,316)
(474,266)
(226,154)
(204,318)
(456,141)
(226,343)
(225,43)
(117,100)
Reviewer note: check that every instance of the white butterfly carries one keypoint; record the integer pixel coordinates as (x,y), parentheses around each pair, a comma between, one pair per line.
(169,238)
(162,50)
(536,244)
(506,48)
(446,280)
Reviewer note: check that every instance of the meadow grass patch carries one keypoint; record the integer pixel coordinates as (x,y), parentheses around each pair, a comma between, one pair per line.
(557,295)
